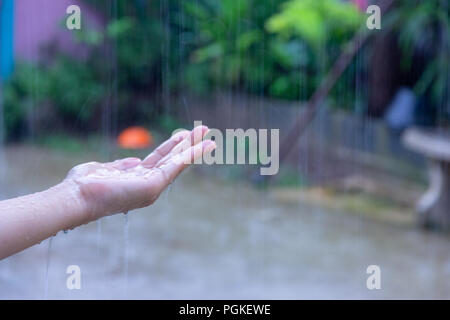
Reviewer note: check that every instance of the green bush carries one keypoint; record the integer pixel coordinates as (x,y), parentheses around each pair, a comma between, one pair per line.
(423,29)
(151,50)
(243,44)
(310,35)
(23,91)
(229,45)
(74,89)
(316,22)
(68,86)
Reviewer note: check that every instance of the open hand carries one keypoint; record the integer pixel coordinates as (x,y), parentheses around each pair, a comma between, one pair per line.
(126,184)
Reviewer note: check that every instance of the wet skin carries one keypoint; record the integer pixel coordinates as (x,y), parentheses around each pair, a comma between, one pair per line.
(93,190)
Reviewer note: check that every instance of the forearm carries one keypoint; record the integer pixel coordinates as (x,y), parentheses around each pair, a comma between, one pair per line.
(93,190)
(30,219)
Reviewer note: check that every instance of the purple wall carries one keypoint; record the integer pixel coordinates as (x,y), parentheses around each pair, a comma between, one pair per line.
(38,22)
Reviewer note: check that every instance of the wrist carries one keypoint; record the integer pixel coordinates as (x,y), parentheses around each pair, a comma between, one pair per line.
(72,202)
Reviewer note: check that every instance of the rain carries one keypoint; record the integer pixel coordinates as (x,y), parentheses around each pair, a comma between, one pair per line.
(360,99)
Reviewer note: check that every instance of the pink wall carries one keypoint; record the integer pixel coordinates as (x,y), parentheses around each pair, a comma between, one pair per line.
(361,4)
(38,22)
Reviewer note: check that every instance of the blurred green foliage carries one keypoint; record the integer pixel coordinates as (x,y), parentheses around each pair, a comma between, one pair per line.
(230,45)
(306,29)
(68,86)
(253,46)
(152,50)
(423,29)
(316,22)
(73,88)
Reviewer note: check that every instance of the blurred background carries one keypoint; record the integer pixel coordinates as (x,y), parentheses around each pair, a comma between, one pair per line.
(363,118)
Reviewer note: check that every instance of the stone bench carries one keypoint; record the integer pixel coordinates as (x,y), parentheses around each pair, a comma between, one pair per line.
(434,206)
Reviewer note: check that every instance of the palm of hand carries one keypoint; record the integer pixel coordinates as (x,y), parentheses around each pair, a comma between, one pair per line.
(130,183)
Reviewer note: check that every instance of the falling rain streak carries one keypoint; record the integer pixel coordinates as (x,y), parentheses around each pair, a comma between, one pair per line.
(346,192)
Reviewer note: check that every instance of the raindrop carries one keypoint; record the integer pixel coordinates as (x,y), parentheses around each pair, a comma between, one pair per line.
(49,249)
(126,237)
(99,234)
(169,188)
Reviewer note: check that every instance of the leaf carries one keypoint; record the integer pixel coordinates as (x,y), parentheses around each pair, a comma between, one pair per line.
(119,27)
(208,52)
(247,39)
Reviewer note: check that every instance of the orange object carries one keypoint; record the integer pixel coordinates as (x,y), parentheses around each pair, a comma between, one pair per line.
(135,138)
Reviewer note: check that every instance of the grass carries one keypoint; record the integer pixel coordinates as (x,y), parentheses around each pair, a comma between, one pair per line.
(101,148)
(288,177)
(370,206)
(61,142)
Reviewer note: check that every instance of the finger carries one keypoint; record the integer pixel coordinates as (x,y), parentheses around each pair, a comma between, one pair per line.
(124,164)
(164,148)
(196,136)
(178,163)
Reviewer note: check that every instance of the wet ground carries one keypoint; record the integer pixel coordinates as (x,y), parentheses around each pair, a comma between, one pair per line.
(206,238)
